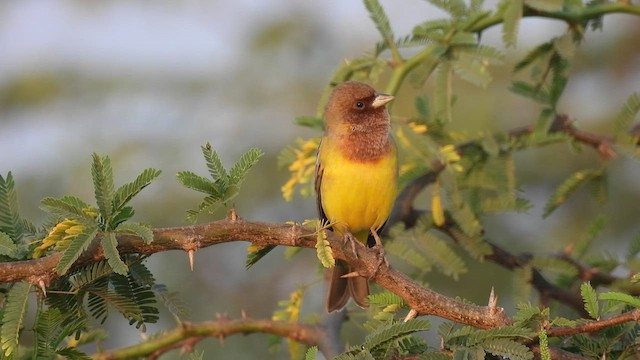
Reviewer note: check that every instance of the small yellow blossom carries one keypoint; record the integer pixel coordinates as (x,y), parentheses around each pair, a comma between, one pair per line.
(437,211)
(302,168)
(418,128)
(60,236)
(450,156)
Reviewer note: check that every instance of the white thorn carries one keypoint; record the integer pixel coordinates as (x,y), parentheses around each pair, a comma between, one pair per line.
(42,287)
(411,315)
(493,302)
(190,253)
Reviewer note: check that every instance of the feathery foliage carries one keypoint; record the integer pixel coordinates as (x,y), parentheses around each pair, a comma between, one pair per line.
(590,299)
(223,186)
(13,317)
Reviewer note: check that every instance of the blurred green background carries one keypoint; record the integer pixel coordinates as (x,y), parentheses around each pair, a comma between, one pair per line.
(147,83)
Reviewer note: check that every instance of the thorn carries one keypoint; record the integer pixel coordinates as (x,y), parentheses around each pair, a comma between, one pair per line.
(568,250)
(350,275)
(233,215)
(411,315)
(190,253)
(42,287)
(493,302)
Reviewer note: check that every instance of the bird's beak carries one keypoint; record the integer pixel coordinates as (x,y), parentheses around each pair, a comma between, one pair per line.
(382,100)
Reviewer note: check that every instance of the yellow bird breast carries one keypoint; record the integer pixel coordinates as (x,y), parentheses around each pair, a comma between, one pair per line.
(356,195)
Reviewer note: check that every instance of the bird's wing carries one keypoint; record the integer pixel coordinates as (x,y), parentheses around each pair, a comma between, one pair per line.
(318,184)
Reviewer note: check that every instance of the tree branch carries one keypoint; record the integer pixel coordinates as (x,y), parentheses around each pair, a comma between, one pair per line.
(191,238)
(188,334)
(594,326)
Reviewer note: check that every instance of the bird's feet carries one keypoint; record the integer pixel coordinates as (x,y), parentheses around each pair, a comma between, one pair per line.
(382,259)
(352,241)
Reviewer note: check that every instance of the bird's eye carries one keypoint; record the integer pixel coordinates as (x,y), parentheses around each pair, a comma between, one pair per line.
(360,105)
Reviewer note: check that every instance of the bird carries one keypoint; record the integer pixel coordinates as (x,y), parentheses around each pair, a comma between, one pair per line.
(355,178)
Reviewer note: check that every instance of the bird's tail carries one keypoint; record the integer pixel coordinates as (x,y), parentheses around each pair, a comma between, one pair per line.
(341,289)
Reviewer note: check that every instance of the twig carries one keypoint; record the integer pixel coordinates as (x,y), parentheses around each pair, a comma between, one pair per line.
(596,325)
(190,333)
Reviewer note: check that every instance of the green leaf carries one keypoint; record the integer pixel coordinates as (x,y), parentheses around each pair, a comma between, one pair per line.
(526,312)
(473,337)
(545,5)
(464,38)
(52,329)
(385,334)
(384,299)
(15,310)
(198,183)
(89,274)
(537,53)
(142,231)
(75,249)
(377,14)
(127,191)
(628,112)
(102,175)
(403,250)
(7,247)
(68,206)
(10,222)
(443,93)
(475,246)
(590,299)
(559,80)
(529,91)
(311,353)
(255,256)
(456,8)
(512,16)
(565,46)
(214,164)
(422,106)
(243,165)
(555,265)
(121,216)
(621,297)
(507,348)
(72,353)
(310,121)
(109,244)
(568,187)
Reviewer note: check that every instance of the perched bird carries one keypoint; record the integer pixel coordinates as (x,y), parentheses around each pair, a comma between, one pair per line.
(356,173)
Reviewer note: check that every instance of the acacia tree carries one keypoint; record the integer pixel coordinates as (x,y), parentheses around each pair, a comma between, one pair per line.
(91,258)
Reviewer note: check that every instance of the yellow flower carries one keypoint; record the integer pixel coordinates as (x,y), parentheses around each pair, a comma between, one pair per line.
(418,128)
(302,168)
(60,236)
(449,155)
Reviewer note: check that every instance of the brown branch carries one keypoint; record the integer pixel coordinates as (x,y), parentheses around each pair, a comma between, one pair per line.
(597,325)
(188,238)
(188,334)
